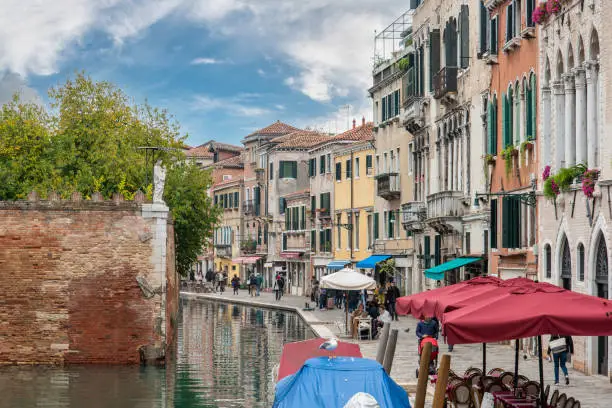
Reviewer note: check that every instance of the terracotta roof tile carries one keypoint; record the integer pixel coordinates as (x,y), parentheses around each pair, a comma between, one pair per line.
(230,162)
(277,128)
(364,132)
(225,182)
(225,146)
(300,139)
(200,151)
(203,150)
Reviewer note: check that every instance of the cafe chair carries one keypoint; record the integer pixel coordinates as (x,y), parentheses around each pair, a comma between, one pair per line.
(546,391)
(486,381)
(461,396)
(554,398)
(532,388)
(561,401)
(570,402)
(495,372)
(472,370)
(495,386)
(576,404)
(522,380)
(477,398)
(507,379)
(474,379)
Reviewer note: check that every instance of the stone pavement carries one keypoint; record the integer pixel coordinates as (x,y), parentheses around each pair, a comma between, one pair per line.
(591,391)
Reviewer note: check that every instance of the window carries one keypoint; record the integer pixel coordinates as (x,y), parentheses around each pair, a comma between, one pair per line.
(303,218)
(531,124)
(256,200)
(369,231)
(493,225)
(434,56)
(376,116)
(328,165)
(377,164)
(493,36)
(356,167)
(227,177)
(385,224)
(265,237)
(216,199)
(348,169)
(484,21)
(338,171)
(548,261)
(282,205)
(312,171)
(313,240)
(349,232)
(284,242)
(511,222)
(581,262)
(322,165)
(467,243)
(397,160)
(295,218)
(325,240)
(271,171)
(427,253)
(492,127)
(450,43)
(529,9)
(507,107)
(369,165)
(287,169)
(510,27)
(324,200)
(339,231)
(385,168)
(464,33)
(391,225)
(313,205)
(437,250)
(231,200)
(236,199)
(376,227)
(410,158)
(259,234)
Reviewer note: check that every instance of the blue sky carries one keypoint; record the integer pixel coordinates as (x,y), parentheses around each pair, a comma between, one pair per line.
(223,68)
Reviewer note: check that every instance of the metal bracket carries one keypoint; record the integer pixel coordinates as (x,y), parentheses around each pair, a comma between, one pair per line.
(526,198)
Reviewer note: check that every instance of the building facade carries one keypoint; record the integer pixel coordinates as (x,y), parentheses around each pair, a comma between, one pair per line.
(227,245)
(574,237)
(513,142)
(295,242)
(393,180)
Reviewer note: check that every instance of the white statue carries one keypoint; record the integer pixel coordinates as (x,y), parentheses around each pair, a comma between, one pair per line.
(159,178)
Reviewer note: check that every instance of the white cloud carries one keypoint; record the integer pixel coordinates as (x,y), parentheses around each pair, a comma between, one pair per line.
(207,61)
(11,83)
(238,105)
(261,72)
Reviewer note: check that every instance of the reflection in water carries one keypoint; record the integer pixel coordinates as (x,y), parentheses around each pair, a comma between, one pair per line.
(225,356)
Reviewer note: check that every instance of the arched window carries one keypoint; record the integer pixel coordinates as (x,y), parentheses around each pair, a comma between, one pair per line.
(548,261)
(531,109)
(581,262)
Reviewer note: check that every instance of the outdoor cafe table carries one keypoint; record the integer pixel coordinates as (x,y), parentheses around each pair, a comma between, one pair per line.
(508,400)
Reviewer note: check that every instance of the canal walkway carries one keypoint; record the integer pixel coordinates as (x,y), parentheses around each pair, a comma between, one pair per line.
(592,391)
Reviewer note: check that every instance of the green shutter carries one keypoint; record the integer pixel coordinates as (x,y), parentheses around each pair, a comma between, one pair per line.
(506,227)
(504,121)
(375,226)
(495,125)
(369,161)
(534,116)
(281,169)
(303,220)
(437,250)
(338,171)
(313,204)
(271,171)
(490,126)
(281,205)
(427,253)
(257,199)
(293,170)
(322,165)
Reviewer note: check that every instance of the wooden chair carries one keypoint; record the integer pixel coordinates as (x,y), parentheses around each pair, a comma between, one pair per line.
(495,386)
(474,379)
(461,396)
(477,398)
(507,379)
(532,388)
(570,402)
(561,401)
(554,398)
(471,371)
(576,404)
(486,381)
(495,372)
(522,380)
(546,391)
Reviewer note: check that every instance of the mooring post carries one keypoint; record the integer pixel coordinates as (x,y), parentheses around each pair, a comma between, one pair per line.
(390,352)
(382,343)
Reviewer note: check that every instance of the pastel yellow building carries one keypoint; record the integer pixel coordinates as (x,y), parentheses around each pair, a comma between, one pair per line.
(354,191)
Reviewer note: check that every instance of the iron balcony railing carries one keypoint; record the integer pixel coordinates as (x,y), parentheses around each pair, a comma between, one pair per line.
(445,82)
(388,185)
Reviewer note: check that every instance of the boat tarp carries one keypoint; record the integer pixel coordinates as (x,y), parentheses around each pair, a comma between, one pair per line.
(325,382)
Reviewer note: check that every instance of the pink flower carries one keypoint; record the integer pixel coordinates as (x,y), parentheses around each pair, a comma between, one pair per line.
(555,187)
(539,14)
(546,173)
(553,6)
(588,182)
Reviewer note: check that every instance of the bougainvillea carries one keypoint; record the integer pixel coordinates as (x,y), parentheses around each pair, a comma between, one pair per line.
(588,182)
(553,6)
(546,173)
(540,14)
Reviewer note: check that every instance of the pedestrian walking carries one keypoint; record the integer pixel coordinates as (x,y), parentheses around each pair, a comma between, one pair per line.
(315,291)
(426,327)
(559,347)
(218,279)
(323,299)
(223,281)
(210,276)
(258,282)
(236,284)
(252,283)
(281,285)
(390,298)
(277,288)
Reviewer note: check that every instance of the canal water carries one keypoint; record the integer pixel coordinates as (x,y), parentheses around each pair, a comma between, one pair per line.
(225,358)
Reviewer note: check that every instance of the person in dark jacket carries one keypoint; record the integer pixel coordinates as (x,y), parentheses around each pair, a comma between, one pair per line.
(426,327)
(390,298)
(560,356)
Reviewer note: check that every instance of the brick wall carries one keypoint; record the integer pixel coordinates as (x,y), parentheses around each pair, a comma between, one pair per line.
(68,282)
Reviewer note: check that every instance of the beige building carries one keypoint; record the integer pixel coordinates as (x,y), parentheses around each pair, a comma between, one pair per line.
(394,180)
(227,245)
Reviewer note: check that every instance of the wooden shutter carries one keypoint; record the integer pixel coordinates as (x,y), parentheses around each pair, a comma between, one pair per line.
(287,220)
(322,165)
(484,21)
(427,253)
(281,205)
(451,43)
(464,26)
(281,169)
(348,169)
(313,203)
(506,227)
(338,171)
(493,224)
(303,219)
(368,162)
(313,240)
(534,116)
(236,199)
(257,199)
(434,56)
(490,125)
(495,110)
(493,37)
(396,95)
(384,108)
(437,250)
(321,241)
(293,169)
(504,121)
(529,8)
(376,227)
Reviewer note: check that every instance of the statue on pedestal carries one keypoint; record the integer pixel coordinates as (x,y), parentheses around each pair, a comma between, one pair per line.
(159,179)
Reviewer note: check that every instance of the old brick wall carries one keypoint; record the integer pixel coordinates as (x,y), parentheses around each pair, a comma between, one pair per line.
(68,283)
(172,290)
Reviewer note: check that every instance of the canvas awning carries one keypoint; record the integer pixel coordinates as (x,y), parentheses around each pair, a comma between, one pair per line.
(246,259)
(437,272)
(337,265)
(371,261)
(291,254)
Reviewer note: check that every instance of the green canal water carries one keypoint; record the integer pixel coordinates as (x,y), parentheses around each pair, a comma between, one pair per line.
(225,357)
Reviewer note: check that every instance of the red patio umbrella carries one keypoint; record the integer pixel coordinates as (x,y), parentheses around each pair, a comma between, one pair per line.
(295,354)
(424,303)
(528,311)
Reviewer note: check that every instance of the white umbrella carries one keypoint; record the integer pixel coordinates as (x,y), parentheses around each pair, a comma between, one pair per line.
(348,279)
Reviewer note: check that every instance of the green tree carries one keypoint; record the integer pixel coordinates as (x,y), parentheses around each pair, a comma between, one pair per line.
(88,142)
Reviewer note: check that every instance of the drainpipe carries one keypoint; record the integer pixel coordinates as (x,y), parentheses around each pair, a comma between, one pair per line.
(352,214)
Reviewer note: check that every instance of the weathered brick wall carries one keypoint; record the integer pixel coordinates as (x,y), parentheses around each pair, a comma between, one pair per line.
(68,282)
(172,290)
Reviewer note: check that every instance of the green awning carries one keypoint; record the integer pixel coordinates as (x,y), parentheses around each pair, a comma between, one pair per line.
(437,272)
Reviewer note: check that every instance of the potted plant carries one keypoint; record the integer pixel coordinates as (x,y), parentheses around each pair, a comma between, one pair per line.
(589,178)
(525,146)
(403,64)
(508,154)
(540,14)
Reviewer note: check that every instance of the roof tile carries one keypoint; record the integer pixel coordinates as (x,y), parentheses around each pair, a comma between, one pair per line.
(300,139)
(364,132)
(277,128)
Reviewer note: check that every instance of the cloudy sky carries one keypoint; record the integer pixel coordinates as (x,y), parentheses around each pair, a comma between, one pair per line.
(222,67)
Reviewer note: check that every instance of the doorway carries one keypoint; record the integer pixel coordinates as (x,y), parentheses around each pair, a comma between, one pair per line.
(601,283)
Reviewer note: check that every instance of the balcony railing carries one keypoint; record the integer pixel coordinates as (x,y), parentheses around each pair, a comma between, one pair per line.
(444,210)
(248,207)
(388,185)
(262,249)
(223,250)
(248,246)
(445,82)
(414,215)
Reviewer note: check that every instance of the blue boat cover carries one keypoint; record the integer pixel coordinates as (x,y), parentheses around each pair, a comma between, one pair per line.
(371,261)
(337,265)
(437,272)
(330,383)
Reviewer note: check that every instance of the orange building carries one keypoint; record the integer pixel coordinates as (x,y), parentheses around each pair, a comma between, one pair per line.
(511,48)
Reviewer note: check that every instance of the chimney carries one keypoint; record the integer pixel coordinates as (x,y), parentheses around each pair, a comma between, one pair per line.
(363,121)
(354,123)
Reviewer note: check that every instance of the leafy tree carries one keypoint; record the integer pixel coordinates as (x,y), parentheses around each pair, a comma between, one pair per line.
(88,142)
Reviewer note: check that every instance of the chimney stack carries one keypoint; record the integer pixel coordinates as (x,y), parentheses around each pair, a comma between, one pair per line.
(354,123)
(363,121)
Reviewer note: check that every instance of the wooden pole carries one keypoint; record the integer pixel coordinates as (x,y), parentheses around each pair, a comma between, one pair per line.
(440,393)
(419,401)
(390,351)
(382,343)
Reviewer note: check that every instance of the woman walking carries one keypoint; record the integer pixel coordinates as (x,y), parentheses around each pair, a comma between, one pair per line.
(236,284)
(559,346)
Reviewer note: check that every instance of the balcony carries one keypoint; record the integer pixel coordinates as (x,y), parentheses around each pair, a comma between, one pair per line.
(444,211)
(261,249)
(388,186)
(223,250)
(445,83)
(248,207)
(248,247)
(413,216)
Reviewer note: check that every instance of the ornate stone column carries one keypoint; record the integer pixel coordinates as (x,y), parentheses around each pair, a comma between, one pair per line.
(559,100)
(545,139)
(581,112)
(592,107)
(570,120)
